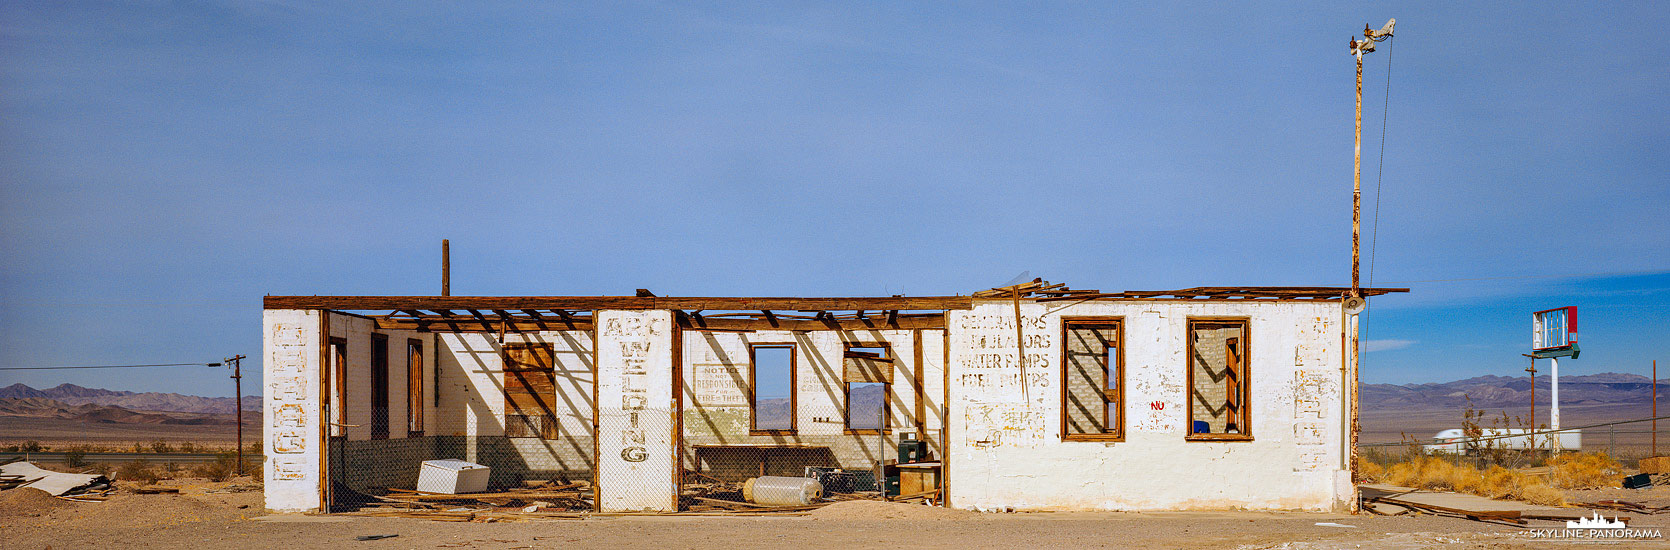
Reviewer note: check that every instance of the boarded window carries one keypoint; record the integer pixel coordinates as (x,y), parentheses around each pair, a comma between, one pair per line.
(530,425)
(530,390)
(1218,381)
(1095,375)
(771,387)
(414,388)
(869,374)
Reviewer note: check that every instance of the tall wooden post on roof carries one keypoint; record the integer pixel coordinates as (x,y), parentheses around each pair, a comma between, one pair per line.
(446,268)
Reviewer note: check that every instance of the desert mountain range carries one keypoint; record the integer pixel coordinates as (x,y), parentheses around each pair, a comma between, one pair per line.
(69,401)
(1504,391)
(71,394)
(93,413)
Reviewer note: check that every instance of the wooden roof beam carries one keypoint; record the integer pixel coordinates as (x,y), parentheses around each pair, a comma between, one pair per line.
(362,303)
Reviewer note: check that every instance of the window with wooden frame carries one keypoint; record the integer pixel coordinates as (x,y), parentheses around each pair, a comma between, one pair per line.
(414,387)
(1219,409)
(771,383)
(1093,371)
(868,377)
(530,389)
(339,387)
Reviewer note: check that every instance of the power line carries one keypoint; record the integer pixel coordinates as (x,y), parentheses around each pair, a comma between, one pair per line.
(116,366)
(1380,172)
(1560,276)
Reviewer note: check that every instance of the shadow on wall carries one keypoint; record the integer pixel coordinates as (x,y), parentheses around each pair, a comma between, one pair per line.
(465,426)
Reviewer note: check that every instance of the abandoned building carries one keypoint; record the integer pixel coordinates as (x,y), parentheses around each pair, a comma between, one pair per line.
(1027,397)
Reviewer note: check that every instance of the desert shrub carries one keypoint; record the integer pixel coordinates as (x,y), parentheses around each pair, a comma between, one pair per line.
(137,470)
(9,448)
(170,467)
(188,447)
(75,457)
(1585,470)
(253,449)
(138,447)
(1368,469)
(221,469)
(31,446)
(160,446)
(1429,472)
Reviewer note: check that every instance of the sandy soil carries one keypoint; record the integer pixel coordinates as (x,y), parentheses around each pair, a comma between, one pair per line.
(201,520)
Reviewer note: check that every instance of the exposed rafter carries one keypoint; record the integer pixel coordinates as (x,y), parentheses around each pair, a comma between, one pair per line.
(587,303)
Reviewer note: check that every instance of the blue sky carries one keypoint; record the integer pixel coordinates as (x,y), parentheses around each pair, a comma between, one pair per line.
(163,165)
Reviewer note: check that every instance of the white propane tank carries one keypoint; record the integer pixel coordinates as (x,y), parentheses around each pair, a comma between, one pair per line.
(782,491)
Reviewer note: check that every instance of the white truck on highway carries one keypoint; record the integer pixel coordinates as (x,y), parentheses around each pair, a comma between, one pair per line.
(1455,441)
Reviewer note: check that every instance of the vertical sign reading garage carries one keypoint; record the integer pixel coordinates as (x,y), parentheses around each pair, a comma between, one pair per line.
(635,454)
(290,412)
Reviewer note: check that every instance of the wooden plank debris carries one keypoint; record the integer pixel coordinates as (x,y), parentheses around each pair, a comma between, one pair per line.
(1463,505)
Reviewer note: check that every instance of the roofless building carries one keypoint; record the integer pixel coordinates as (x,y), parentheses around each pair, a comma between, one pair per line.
(1027,397)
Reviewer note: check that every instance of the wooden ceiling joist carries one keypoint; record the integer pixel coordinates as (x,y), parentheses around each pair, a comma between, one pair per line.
(926,321)
(1232,293)
(384,303)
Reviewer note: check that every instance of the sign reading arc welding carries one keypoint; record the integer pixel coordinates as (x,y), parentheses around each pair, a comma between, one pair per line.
(635,440)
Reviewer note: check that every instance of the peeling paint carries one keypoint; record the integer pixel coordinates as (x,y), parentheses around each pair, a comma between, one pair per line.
(1009,454)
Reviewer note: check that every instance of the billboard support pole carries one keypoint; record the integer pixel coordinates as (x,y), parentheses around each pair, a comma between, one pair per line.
(1533,388)
(1554,411)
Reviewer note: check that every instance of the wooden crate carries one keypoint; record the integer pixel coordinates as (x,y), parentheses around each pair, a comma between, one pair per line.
(915,479)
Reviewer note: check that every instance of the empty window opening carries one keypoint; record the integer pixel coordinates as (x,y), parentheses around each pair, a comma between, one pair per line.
(414,388)
(771,387)
(1218,382)
(379,386)
(530,389)
(869,375)
(1095,374)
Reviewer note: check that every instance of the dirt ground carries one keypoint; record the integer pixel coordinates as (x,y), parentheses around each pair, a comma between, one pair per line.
(201,520)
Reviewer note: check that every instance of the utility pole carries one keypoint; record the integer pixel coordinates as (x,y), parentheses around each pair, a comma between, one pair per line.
(1370,36)
(1655,408)
(1354,304)
(236,362)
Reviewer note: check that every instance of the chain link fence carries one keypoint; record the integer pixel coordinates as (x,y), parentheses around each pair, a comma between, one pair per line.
(557,453)
(1627,441)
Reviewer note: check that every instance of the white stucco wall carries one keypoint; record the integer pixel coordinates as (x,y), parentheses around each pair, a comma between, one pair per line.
(715,379)
(471,381)
(1007,452)
(357,332)
(290,418)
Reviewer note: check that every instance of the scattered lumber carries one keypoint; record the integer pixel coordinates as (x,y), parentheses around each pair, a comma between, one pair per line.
(1472,507)
(1387,509)
(1625,506)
